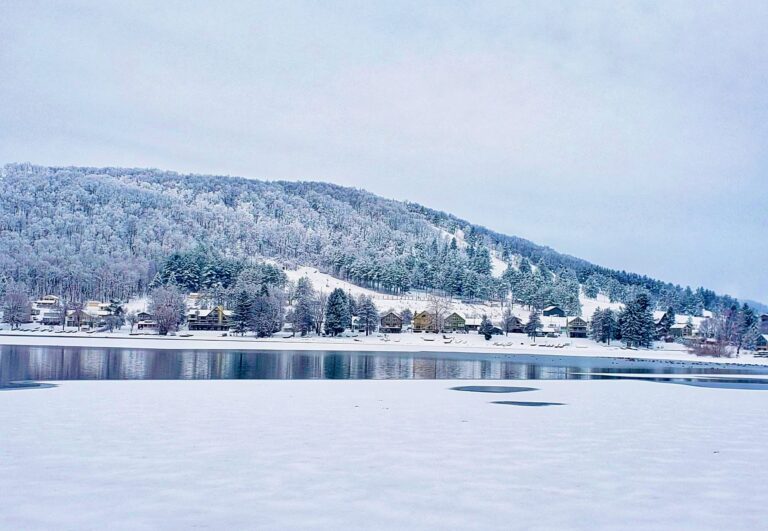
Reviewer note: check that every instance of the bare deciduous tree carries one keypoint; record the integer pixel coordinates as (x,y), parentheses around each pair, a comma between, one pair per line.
(167,306)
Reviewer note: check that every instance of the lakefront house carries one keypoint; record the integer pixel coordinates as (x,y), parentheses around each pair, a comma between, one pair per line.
(577,327)
(391,323)
(213,319)
(424,322)
(455,323)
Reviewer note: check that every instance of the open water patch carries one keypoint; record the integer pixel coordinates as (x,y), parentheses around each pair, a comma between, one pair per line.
(492,389)
(527,404)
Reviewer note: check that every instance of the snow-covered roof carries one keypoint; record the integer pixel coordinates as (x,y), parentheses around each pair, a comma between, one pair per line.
(473,322)
(548,308)
(679,326)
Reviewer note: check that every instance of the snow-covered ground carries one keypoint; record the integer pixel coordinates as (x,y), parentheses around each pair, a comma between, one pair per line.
(382,455)
(406,342)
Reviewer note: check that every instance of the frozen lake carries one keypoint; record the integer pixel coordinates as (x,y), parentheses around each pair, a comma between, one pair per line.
(21,363)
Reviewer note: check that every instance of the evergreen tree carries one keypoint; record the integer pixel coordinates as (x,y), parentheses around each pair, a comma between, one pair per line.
(368,315)
(407,316)
(636,322)
(596,325)
(303,314)
(337,316)
(486,328)
(608,326)
(266,314)
(745,330)
(242,312)
(533,325)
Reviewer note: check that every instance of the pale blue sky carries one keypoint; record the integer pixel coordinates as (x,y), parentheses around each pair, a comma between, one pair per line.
(629,134)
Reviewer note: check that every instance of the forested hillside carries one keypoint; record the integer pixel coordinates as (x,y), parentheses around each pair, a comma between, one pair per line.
(108,232)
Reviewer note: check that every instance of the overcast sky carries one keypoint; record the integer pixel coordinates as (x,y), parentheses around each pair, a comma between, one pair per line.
(630,134)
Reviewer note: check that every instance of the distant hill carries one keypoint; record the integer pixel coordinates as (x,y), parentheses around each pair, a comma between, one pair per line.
(105,232)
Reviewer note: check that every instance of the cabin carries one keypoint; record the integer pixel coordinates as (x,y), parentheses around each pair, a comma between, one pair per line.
(214,319)
(455,323)
(681,330)
(553,311)
(577,327)
(144,316)
(762,343)
(516,326)
(391,323)
(424,322)
(473,324)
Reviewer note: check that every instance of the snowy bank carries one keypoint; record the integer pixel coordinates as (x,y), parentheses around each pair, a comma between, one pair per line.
(382,455)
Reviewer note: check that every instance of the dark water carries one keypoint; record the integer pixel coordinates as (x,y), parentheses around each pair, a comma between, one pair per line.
(21,363)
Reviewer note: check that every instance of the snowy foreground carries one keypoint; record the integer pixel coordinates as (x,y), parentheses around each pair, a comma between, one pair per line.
(406,342)
(382,455)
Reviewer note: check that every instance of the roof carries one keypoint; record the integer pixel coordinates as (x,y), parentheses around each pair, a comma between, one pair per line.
(474,321)
(577,321)
(548,308)
(765,337)
(680,326)
(458,315)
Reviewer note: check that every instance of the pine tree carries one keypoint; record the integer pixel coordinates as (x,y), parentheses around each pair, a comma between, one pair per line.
(746,325)
(596,325)
(486,328)
(368,315)
(242,312)
(533,325)
(608,326)
(637,325)
(337,316)
(303,314)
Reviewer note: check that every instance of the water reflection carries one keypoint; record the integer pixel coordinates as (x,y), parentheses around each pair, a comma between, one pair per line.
(18,363)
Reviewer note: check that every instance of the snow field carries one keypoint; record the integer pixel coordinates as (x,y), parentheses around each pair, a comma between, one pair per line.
(382,455)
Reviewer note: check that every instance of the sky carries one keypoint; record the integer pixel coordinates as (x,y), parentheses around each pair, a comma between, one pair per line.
(631,134)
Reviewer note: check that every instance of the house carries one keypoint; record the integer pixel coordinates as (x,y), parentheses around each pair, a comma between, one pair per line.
(424,322)
(473,324)
(46,310)
(391,323)
(49,301)
(214,319)
(516,326)
(81,319)
(764,323)
(455,322)
(143,316)
(553,311)
(681,330)
(762,343)
(577,327)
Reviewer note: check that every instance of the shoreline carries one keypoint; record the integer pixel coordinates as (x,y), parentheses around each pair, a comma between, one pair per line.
(373,344)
